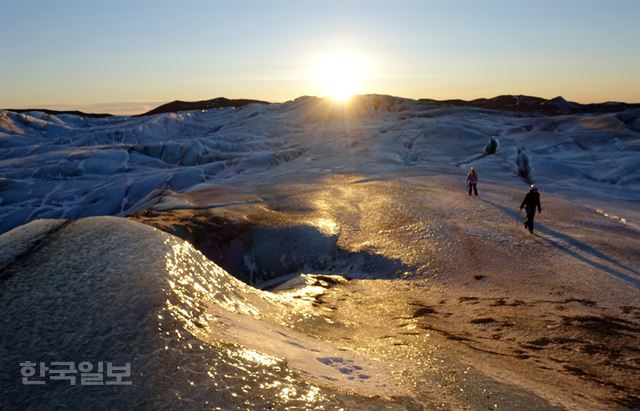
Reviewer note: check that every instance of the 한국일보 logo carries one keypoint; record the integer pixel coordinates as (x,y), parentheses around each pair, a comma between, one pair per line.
(83,374)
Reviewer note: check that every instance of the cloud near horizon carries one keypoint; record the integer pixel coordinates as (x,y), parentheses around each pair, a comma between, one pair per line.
(116,108)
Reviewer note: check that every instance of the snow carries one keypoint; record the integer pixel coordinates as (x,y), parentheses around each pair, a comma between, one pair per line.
(389,280)
(61,166)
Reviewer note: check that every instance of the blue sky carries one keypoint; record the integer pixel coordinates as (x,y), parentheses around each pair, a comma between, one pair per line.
(92,54)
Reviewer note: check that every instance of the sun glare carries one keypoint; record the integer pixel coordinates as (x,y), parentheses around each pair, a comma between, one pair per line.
(340,76)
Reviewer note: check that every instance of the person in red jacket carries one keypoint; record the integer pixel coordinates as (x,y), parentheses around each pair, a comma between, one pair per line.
(472,181)
(530,203)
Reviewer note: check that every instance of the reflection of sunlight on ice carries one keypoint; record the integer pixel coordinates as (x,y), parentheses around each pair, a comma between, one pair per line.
(204,281)
(309,287)
(195,327)
(289,393)
(326,225)
(312,394)
(286,393)
(614,217)
(257,357)
(202,286)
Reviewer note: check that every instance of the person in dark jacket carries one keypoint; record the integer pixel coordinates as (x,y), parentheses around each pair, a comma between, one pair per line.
(530,203)
(472,181)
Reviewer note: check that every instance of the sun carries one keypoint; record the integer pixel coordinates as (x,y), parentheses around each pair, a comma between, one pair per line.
(340,76)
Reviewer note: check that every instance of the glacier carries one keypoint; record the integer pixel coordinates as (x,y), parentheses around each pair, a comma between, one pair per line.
(67,166)
(317,255)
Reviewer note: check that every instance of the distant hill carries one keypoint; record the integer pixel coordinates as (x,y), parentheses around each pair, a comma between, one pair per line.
(530,104)
(56,112)
(219,102)
(514,103)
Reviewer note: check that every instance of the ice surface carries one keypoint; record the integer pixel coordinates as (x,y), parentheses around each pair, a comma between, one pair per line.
(131,293)
(69,166)
(380,184)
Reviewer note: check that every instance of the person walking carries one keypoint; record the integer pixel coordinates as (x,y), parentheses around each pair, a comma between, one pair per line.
(530,203)
(472,181)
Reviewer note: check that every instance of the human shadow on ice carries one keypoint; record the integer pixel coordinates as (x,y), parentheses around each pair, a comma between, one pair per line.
(583,252)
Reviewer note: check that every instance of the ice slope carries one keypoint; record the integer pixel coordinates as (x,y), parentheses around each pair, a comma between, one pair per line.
(131,293)
(66,166)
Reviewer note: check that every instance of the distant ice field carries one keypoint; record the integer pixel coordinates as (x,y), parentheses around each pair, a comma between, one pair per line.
(68,166)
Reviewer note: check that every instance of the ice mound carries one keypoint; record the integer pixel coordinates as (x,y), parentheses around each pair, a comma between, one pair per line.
(106,289)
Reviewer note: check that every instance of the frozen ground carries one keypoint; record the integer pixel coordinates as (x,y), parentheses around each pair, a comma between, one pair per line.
(421,297)
(67,166)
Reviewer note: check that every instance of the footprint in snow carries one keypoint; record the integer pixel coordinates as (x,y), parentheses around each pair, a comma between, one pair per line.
(345,367)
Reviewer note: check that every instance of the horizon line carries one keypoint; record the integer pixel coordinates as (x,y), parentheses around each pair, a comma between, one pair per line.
(149,105)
